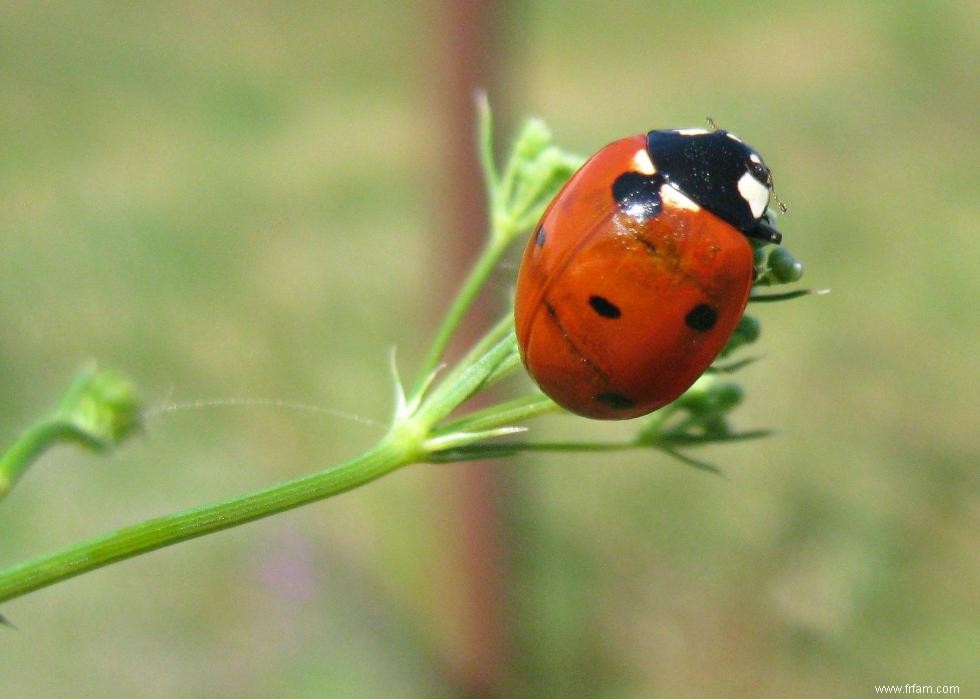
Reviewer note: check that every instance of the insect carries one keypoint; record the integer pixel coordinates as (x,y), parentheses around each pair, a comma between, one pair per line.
(640,269)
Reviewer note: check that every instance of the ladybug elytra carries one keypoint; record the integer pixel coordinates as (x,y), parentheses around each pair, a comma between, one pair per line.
(640,269)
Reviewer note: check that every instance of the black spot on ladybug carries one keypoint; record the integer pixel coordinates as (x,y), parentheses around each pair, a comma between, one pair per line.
(701,318)
(604,307)
(615,400)
(638,194)
(540,236)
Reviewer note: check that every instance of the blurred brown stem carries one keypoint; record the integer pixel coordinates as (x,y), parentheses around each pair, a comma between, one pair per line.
(470,30)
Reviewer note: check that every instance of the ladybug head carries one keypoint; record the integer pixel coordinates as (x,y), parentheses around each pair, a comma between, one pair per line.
(719,172)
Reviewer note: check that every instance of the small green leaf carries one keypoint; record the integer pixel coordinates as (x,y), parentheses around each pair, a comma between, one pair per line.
(453,440)
(695,463)
(786,295)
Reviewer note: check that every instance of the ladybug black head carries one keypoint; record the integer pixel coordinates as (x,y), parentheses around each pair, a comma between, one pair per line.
(719,173)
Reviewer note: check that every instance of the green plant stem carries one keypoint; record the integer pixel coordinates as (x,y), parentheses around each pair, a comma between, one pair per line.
(464,299)
(508,413)
(510,448)
(485,147)
(466,379)
(388,455)
(28,447)
(406,442)
(489,257)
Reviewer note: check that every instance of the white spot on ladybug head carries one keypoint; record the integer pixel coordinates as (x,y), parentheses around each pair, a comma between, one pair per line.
(755,194)
(754,157)
(672,196)
(691,132)
(642,162)
(733,137)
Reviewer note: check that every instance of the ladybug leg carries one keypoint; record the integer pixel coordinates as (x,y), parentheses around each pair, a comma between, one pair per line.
(764,230)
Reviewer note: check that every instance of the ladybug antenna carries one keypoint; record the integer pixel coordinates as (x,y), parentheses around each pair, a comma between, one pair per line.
(711,123)
(779,202)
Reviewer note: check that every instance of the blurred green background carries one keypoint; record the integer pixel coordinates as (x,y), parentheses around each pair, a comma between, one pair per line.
(247,200)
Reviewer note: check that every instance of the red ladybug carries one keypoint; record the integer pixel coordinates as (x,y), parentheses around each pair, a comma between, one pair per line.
(640,270)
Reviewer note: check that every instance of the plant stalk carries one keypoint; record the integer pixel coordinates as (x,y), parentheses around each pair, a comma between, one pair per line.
(388,455)
(33,442)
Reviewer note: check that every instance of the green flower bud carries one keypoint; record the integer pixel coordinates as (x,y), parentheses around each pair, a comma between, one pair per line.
(533,138)
(102,407)
(785,268)
(746,332)
(711,398)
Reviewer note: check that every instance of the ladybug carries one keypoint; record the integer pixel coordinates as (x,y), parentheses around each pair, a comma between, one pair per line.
(640,269)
